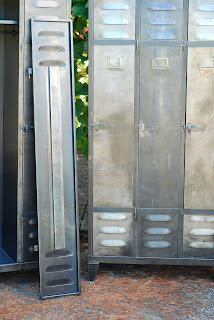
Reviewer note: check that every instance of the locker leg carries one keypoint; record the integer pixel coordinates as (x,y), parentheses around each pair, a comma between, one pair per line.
(92,270)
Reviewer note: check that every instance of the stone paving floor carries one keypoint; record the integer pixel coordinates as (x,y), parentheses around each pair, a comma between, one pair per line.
(119,292)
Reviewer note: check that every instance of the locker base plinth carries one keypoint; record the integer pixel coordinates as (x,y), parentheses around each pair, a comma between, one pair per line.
(151,261)
(18,266)
(92,270)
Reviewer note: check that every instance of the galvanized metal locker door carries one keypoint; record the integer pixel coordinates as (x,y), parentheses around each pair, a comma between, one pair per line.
(199,172)
(162,90)
(55,157)
(161,116)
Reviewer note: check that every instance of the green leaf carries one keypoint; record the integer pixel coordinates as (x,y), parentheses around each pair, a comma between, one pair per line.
(79,107)
(81,89)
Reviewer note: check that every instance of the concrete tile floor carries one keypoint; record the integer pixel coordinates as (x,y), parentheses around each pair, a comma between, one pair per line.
(119,292)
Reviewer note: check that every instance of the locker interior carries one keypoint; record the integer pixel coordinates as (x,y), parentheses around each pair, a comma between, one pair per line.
(9,74)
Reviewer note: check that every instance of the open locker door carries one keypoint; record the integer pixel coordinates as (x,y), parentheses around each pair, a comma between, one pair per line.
(55,157)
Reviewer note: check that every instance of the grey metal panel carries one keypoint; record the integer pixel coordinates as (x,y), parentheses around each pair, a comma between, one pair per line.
(114,20)
(160,127)
(55,157)
(161,20)
(201,20)
(26,172)
(198,235)
(153,261)
(158,233)
(199,159)
(57,9)
(113,126)
(112,233)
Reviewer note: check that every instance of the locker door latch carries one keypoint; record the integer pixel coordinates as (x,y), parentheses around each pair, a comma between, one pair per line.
(147,127)
(100,126)
(189,128)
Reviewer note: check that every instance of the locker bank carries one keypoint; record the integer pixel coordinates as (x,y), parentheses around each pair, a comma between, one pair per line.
(151,132)
(37,91)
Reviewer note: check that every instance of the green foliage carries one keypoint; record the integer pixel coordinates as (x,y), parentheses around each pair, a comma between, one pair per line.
(79,13)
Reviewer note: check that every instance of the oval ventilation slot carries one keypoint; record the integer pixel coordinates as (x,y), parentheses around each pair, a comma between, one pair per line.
(205,22)
(58,253)
(160,231)
(114,35)
(115,6)
(113,243)
(205,36)
(202,232)
(162,7)
(55,268)
(59,282)
(157,244)
(158,218)
(162,36)
(112,230)
(161,21)
(52,49)
(205,7)
(46,4)
(113,216)
(202,245)
(202,219)
(51,34)
(52,63)
(115,20)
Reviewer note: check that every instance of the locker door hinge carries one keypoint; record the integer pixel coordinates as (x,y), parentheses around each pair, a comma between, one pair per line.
(30,72)
(137,45)
(26,128)
(135,214)
(184,47)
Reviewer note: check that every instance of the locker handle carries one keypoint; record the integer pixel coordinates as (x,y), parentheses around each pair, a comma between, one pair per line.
(147,127)
(190,128)
(100,126)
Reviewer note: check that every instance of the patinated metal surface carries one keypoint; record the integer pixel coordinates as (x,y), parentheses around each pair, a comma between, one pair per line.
(113,126)
(161,76)
(114,20)
(161,160)
(55,157)
(199,164)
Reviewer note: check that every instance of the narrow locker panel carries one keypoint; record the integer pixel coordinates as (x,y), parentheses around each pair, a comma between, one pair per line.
(162,20)
(158,233)
(198,240)
(113,233)
(114,20)
(57,9)
(27,176)
(199,159)
(55,157)
(201,20)
(160,126)
(113,125)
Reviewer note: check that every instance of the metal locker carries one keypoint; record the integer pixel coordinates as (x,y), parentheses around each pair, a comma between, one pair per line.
(18,197)
(152,185)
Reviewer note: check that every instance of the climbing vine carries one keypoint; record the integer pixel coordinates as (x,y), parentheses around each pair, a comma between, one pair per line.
(79,13)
